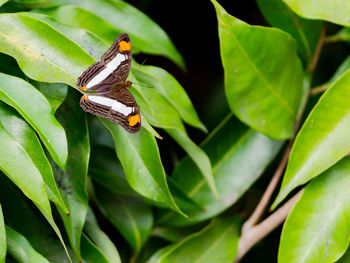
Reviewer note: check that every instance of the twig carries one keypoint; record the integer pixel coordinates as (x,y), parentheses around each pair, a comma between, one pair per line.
(313,64)
(319,89)
(258,232)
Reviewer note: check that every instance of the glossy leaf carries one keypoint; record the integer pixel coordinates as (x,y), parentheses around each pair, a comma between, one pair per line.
(218,242)
(171,89)
(318,227)
(101,240)
(55,93)
(130,215)
(107,19)
(263,75)
(305,32)
(72,183)
(26,137)
(23,218)
(91,253)
(333,11)
(22,96)
(139,156)
(20,248)
(322,140)
(231,148)
(3,245)
(47,55)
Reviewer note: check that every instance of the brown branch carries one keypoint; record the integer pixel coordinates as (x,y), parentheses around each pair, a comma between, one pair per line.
(258,232)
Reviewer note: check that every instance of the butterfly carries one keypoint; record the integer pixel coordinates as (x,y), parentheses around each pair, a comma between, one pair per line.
(106,79)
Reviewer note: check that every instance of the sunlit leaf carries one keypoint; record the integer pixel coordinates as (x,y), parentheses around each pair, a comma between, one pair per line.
(3,246)
(322,140)
(263,75)
(318,227)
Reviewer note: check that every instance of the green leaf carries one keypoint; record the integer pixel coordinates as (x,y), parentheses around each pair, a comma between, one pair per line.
(105,168)
(318,227)
(55,93)
(22,96)
(42,52)
(231,148)
(101,240)
(21,216)
(171,89)
(37,3)
(3,246)
(139,156)
(107,19)
(20,248)
(73,182)
(263,75)
(346,257)
(2,2)
(91,253)
(26,137)
(322,140)
(163,115)
(130,215)
(218,242)
(305,32)
(333,11)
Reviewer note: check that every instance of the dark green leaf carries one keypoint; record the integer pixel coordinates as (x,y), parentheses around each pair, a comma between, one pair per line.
(322,140)
(334,11)
(3,246)
(25,136)
(305,32)
(22,96)
(129,214)
(20,248)
(318,227)
(91,253)
(72,183)
(218,242)
(101,240)
(238,154)
(263,75)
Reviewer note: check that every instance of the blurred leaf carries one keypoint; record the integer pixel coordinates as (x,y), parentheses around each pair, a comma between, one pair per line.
(333,11)
(238,154)
(25,136)
(167,233)
(105,168)
(318,227)
(345,258)
(37,3)
(3,246)
(91,253)
(21,249)
(218,242)
(55,93)
(171,89)
(305,32)
(129,214)
(108,19)
(322,140)
(22,96)
(263,75)
(72,183)
(101,240)
(342,35)
(22,216)
(139,156)
(2,2)
(42,52)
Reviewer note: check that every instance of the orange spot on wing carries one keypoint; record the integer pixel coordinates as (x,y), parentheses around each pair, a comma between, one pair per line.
(83,88)
(84,98)
(124,46)
(135,119)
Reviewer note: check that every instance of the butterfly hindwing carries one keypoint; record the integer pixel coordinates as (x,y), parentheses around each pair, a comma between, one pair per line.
(117,105)
(114,66)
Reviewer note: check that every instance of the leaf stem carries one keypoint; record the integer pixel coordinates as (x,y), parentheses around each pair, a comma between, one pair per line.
(319,89)
(313,64)
(258,232)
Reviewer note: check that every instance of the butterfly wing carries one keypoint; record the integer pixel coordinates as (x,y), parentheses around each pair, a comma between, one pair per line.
(114,67)
(117,105)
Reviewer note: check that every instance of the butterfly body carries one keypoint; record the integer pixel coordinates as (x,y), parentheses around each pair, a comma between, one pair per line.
(106,79)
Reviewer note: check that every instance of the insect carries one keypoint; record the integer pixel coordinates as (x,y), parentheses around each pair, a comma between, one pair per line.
(106,83)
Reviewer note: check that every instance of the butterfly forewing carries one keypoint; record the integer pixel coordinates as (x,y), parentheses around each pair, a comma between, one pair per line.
(108,77)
